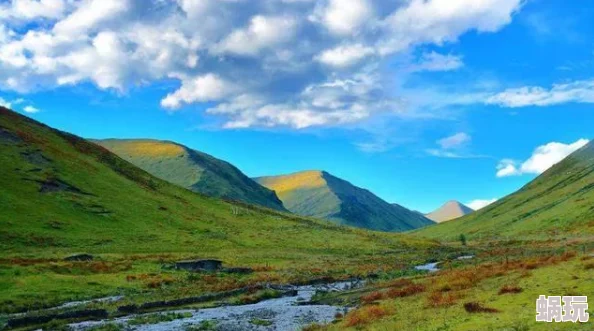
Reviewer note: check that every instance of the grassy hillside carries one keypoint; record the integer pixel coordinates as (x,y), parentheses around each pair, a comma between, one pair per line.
(193,170)
(559,202)
(319,194)
(60,194)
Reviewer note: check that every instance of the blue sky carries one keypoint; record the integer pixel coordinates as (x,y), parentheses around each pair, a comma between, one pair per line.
(419,101)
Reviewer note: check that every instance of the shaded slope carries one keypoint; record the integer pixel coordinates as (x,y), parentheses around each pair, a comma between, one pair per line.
(559,201)
(60,193)
(319,194)
(449,211)
(193,170)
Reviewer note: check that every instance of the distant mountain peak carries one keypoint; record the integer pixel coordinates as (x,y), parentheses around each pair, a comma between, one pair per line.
(448,211)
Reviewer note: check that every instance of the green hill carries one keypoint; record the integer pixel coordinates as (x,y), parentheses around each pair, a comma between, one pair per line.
(321,195)
(193,170)
(61,194)
(558,202)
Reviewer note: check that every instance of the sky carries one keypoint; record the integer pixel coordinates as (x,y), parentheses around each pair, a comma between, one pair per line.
(419,101)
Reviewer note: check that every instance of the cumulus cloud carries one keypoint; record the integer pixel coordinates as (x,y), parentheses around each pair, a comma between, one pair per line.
(31,9)
(344,17)
(209,87)
(480,203)
(295,63)
(262,32)
(579,91)
(542,158)
(344,56)
(30,109)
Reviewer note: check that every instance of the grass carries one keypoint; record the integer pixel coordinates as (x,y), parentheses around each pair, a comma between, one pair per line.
(192,169)
(556,205)
(319,194)
(473,298)
(260,322)
(62,195)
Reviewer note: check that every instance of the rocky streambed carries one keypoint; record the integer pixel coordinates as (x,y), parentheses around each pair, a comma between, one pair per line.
(286,313)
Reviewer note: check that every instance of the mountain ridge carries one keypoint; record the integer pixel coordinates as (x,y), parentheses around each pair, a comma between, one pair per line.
(192,169)
(318,193)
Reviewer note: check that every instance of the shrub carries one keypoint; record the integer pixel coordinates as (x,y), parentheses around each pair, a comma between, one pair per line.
(475,307)
(510,289)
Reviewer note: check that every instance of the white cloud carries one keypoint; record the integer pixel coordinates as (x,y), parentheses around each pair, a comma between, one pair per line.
(257,61)
(542,158)
(5,103)
(440,21)
(506,167)
(209,87)
(437,62)
(479,204)
(344,56)
(30,109)
(454,141)
(579,91)
(263,32)
(344,17)
(32,9)
(453,147)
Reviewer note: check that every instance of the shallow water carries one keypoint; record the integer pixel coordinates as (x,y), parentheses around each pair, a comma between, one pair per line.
(282,313)
(431,267)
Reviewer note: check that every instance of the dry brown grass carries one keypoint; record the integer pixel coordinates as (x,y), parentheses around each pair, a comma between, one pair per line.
(372,297)
(365,315)
(406,291)
(440,299)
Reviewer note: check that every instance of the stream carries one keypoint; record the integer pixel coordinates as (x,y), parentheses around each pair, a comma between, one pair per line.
(287,313)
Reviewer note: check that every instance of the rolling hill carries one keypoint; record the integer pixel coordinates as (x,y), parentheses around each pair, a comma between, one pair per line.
(449,211)
(61,195)
(321,195)
(558,202)
(193,170)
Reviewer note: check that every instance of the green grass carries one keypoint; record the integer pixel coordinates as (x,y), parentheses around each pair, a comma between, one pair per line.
(319,194)
(557,204)
(134,223)
(440,306)
(193,170)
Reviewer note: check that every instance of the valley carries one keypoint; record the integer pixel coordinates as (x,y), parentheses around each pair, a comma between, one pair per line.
(90,241)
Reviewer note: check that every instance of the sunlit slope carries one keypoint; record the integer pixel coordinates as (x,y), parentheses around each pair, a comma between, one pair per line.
(193,170)
(449,211)
(560,201)
(60,193)
(319,194)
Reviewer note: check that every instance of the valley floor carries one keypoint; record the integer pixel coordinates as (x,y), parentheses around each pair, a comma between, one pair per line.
(495,290)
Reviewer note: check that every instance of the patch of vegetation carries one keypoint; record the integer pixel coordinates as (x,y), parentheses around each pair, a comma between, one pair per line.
(158,318)
(260,322)
(203,326)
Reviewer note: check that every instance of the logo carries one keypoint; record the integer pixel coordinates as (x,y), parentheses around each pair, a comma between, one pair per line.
(562,309)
